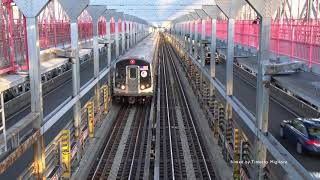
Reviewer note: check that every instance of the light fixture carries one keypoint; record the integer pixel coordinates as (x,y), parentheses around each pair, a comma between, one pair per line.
(144,74)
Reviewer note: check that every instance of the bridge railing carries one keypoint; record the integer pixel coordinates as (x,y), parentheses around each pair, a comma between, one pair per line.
(54,31)
(296,38)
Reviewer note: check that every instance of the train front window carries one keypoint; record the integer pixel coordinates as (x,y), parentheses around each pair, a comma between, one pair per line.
(120,75)
(133,73)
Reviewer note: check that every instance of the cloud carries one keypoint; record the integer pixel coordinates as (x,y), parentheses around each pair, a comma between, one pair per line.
(166,2)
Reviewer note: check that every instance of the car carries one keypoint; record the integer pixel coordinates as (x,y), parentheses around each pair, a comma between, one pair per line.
(304,133)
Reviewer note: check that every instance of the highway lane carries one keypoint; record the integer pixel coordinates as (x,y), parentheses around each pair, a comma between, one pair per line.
(50,102)
(246,93)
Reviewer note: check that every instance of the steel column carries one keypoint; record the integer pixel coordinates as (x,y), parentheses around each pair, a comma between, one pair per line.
(131,34)
(96,61)
(196,35)
(213,47)
(190,36)
(137,32)
(141,32)
(74,12)
(117,37)
(31,10)
(123,32)
(230,57)
(108,15)
(128,34)
(181,32)
(213,53)
(95,12)
(203,38)
(262,97)
(76,80)
(108,49)
(36,91)
(134,33)
(75,72)
(229,76)
(34,68)
(95,48)
(183,38)
(109,44)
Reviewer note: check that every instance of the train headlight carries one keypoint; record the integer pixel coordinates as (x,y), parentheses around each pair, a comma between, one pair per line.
(148,85)
(118,85)
(142,87)
(123,87)
(144,74)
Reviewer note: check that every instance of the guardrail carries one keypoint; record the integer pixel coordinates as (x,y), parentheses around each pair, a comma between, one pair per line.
(64,152)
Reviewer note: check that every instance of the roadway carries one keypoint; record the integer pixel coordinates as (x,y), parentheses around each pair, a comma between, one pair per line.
(246,93)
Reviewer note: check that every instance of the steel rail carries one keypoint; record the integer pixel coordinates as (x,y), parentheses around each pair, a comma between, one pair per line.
(189,112)
(106,172)
(114,130)
(168,113)
(180,164)
(139,144)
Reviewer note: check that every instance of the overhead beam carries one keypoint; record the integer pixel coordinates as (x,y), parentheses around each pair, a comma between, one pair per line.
(230,7)
(150,3)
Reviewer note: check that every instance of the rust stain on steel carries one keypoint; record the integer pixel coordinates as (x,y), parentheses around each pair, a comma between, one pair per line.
(6,163)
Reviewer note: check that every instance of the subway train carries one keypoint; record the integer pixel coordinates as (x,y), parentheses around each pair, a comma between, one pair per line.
(133,73)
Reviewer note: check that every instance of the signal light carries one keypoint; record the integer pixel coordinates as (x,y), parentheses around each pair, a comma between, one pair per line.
(132,61)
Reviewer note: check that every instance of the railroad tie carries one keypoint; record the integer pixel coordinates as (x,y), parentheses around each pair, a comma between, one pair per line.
(117,160)
(185,146)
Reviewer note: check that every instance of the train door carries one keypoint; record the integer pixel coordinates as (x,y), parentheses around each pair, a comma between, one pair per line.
(133,80)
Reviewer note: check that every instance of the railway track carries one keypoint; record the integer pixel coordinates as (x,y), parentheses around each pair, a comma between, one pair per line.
(180,150)
(124,152)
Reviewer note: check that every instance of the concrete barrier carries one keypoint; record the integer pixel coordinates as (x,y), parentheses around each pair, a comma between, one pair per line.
(294,104)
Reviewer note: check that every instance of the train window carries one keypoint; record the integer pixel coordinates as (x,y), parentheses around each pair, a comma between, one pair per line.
(133,73)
